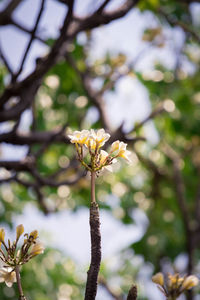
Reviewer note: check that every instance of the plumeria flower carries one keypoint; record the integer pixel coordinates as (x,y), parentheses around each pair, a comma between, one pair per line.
(8,275)
(173,285)
(119,150)
(79,137)
(106,161)
(38,248)
(98,138)
(190,282)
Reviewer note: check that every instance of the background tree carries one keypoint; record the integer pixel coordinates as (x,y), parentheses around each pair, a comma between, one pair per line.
(163,180)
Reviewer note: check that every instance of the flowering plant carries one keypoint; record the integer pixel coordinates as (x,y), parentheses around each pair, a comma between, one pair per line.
(93,141)
(12,256)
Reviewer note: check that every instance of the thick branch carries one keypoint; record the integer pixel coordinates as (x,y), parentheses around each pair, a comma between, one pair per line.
(92,277)
(68,32)
(132,295)
(35,137)
(5,16)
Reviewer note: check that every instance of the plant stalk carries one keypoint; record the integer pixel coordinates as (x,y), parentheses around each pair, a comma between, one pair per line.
(95,235)
(21,294)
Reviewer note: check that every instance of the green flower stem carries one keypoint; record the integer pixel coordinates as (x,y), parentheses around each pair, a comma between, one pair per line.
(21,294)
(92,275)
(93,187)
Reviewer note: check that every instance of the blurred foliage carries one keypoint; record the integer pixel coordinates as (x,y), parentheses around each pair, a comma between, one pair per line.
(62,99)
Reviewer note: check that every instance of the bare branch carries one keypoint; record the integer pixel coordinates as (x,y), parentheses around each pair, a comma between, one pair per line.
(179,185)
(26,30)
(159,110)
(102,6)
(35,137)
(30,41)
(58,50)
(93,95)
(184,26)
(5,16)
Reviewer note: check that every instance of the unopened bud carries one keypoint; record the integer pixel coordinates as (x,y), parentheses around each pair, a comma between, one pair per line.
(2,235)
(34,234)
(158,279)
(19,231)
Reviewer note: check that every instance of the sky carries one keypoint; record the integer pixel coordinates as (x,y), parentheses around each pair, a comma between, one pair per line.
(129,103)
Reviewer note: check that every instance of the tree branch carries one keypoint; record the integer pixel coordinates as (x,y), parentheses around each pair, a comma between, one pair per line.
(92,276)
(30,41)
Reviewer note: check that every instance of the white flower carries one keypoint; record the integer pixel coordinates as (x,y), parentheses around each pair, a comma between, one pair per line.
(190,282)
(97,138)
(7,275)
(103,157)
(38,248)
(79,137)
(119,150)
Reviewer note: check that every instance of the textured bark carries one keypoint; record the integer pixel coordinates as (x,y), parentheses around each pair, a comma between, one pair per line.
(132,295)
(92,275)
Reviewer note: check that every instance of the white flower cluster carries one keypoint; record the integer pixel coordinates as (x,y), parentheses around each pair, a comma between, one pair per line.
(93,140)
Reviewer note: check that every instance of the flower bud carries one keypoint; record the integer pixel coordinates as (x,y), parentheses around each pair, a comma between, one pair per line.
(19,231)
(190,282)
(158,279)
(34,234)
(2,235)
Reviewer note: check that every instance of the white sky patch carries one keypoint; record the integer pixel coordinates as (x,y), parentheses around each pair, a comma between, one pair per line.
(130,98)
(10,152)
(25,122)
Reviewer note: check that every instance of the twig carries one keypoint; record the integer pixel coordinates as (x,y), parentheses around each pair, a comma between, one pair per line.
(102,6)
(30,41)
(26,30)
(94,96)
(159,110)
(181,200)
(184,26)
